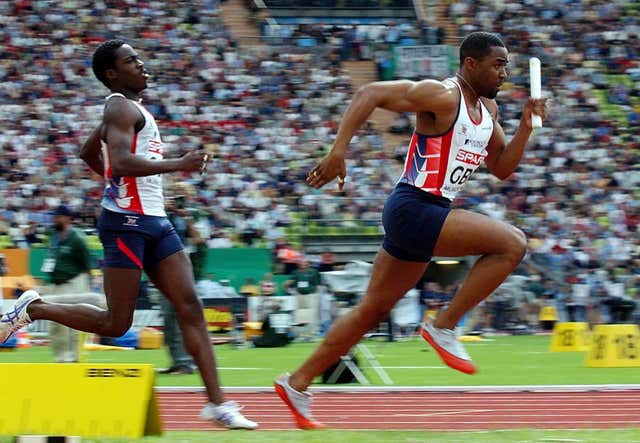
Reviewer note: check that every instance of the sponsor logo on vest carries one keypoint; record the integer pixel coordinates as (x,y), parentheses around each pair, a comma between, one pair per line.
(471,158)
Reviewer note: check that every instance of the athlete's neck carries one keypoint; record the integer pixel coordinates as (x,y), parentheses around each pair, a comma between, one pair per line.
(474,94)
(135,96)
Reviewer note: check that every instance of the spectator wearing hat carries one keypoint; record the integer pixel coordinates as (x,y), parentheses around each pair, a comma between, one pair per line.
(68,267)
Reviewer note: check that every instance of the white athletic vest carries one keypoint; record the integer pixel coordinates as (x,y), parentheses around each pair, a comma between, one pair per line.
(441,165)
(136,195)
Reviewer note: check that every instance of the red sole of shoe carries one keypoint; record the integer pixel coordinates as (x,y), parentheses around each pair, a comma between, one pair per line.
(450,360)
(301,422)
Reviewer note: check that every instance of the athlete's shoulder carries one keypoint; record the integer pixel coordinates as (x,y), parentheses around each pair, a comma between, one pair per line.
(444,87)
(118,108)
(441,95)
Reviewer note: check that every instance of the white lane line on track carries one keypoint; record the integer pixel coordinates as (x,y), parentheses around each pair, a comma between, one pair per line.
(498,408)
(625,416)
(436,398)
(427,402)
(565,423)
(414,389)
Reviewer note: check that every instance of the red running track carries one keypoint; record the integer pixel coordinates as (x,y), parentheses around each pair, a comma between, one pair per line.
(423,410)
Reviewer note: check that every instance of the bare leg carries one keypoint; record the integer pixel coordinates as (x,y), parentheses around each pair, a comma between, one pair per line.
(121,290)
(390,280)
(174,278)
(502,247)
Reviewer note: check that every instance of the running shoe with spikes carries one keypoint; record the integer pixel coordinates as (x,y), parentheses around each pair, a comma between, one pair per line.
(299,403)
(17,317)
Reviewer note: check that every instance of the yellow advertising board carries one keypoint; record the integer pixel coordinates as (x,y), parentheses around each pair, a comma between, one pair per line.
(614,346)
(569,337)
(86,400)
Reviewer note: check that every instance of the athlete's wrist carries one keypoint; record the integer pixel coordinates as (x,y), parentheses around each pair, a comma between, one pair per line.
(173,165)
(526,125)
(339,151)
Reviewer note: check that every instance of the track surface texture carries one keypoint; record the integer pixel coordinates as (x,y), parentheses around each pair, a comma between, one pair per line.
(411,410)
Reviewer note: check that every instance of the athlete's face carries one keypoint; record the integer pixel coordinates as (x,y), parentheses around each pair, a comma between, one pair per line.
(60,222)
(129,70)
(491,71)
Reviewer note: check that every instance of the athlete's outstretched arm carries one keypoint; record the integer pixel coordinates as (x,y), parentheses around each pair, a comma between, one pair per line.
(503,159)
(120,121)
(91,152)
(399,96)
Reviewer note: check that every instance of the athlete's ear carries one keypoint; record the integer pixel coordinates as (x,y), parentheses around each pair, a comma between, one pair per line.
(111,74)
(470,63)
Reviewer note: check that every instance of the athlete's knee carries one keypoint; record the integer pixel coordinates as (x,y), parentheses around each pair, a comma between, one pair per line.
(516,245)
(110,326)
(190,309)
(110,329)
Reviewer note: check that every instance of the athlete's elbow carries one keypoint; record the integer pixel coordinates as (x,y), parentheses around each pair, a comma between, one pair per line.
(501,174)
(85,154)
(116,171)
(120,168)
(368,94)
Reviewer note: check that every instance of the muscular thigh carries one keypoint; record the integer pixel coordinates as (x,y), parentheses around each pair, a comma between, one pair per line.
(469,233)
(174,278)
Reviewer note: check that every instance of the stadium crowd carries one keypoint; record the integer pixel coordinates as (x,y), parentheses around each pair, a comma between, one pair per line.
(576,194)
(266,113)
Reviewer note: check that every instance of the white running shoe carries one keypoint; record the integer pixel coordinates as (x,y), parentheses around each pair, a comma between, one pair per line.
(448,347)
(228,415)
(299,403)
(17,318)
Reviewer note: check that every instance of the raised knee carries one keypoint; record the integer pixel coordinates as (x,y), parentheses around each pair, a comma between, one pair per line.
(111,327)
(517,246)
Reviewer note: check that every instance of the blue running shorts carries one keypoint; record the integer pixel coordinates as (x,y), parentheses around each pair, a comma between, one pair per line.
(136,241)
(412,221)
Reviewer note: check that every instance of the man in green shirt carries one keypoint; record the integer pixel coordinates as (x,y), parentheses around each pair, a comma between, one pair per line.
(303,286)
(68,267)
(305,278)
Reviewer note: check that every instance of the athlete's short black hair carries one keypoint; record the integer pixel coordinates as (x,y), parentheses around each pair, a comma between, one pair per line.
(104,58)
(478,45)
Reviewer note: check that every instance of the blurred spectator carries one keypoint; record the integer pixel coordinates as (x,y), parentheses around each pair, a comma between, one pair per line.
(578,301)
(327,262)
(305,279)
(289,257)
(208,287)
(401,125)
(32,236)
(432,297)
(249,288)
(226,290)
(268,286)
(67,267)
